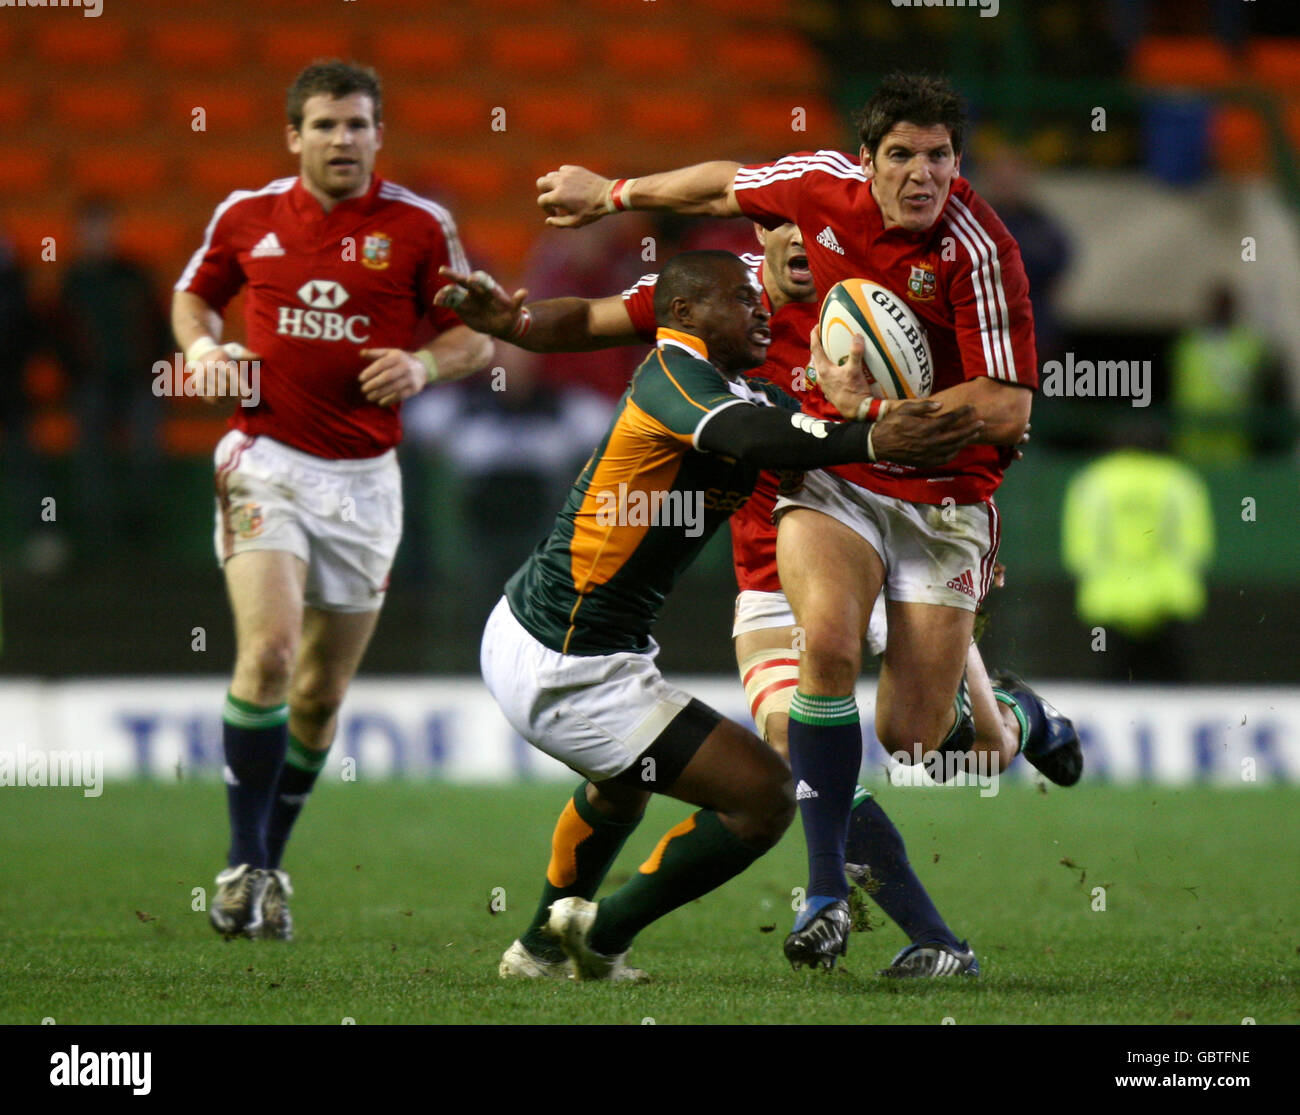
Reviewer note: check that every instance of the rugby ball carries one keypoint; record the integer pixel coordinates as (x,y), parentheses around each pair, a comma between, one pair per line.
(897,353)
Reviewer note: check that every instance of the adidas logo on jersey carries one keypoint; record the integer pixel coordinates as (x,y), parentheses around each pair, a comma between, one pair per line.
(965,583)
(269,245)
(826,238)
(803,790)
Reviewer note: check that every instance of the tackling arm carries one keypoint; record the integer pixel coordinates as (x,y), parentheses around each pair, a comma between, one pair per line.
(573,196)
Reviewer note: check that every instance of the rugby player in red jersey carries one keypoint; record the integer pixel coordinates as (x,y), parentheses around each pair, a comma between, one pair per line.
(340,268)
(766,642)
(568,652)
(901,215)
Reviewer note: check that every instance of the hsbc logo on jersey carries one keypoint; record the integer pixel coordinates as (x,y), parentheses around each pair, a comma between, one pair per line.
(321,322)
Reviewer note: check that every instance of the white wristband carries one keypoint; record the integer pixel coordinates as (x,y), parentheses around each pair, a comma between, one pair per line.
(199,347)
(871,449)
(425,357)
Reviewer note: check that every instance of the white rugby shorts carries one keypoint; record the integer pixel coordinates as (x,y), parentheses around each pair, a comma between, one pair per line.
(596,713)
(933,553)
(342,518)
(758,611)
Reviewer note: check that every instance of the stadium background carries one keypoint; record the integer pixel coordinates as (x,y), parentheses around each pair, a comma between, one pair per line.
(1197,151)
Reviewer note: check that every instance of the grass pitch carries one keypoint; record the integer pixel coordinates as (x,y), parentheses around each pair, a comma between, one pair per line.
(396,883)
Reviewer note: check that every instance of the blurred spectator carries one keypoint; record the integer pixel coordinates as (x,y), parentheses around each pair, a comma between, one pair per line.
(1004,181)
(516,443)
(111,328)
(1227,392)
(1138,534)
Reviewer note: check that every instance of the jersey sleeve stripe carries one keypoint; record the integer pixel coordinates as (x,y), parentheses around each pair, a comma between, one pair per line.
(833,163)
(991,272)
(708,414)
(279,186)
(990,367)
(391,191)
(643,281)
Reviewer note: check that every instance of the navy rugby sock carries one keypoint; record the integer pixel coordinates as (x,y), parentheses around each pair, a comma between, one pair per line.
(874,841)
(301,767)
(254,738)
(825,755)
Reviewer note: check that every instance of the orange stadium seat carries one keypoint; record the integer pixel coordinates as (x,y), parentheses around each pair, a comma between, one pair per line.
(15,106)
(29,228)
(747,9)
(1239,140)
(103,107)
(438,111)
(502,243)
(638,53)
(287,47)
(421,49)
(80,42)
(669,116)
(225,109)
(27,171)
(768,59)
(214,174)
(7,38)
(125,173)
(533,50)
(154,239)
(468,177)
(769,123)
(558,114)
(1181,60)
(191,435)
(1275,63)
(196,46)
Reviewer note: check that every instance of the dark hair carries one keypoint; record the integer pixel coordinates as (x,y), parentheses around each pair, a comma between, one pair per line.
(917,98)
(333,79)
(690,275)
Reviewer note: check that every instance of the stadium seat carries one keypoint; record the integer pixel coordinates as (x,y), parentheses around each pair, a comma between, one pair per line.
(1275,63)
(124,173)
(80,42)
(501,243)
(286,47)
(669,116)
(439,111)
(746,9)
(1239,140)
(156,240)
(770,61)
(466,176)
(29,228)
(7,38)
(27,171)
(44,381)
(768,123)
(535,50)
(102,107)
(1181,60)
(179,45)
(630,53)
(214,174)
(420,49)
(190,435)
(226,109)
(558,114)
(53,432)
(15,106)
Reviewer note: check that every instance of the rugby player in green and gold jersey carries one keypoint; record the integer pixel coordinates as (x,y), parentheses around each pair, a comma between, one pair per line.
(568,653)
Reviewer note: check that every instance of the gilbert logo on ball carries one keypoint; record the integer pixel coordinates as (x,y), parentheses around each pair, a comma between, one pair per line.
(897,353)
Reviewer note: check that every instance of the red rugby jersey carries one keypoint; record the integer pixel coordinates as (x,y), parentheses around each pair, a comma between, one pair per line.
(753,535)
(962,277)
(321,287)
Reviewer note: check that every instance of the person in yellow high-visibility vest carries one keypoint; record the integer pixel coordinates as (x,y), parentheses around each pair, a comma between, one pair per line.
(1138,535)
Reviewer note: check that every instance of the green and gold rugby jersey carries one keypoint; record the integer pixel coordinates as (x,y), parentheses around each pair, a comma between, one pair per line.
(643,506)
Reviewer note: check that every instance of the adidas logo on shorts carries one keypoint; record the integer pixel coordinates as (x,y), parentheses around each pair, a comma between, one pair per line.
(826,238)
(803,790)
(965,583)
